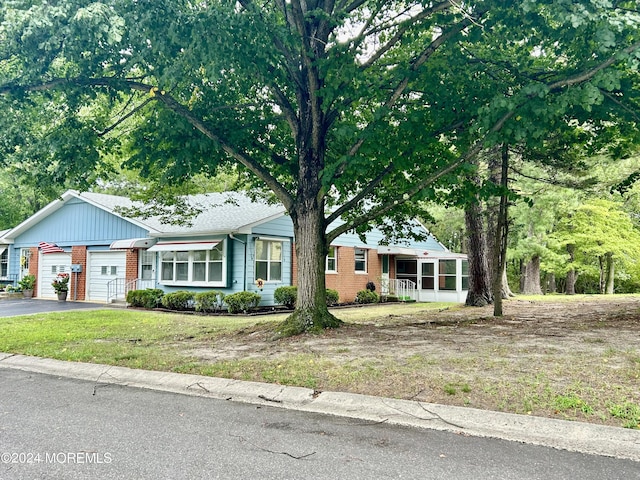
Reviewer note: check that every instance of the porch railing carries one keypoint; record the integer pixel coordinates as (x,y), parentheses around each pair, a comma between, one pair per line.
(118,288)
(11,279)
(404,289)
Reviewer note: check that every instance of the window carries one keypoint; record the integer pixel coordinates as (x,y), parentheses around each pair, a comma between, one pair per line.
(147,261)
(361,260)
(447,275)
(332,260)
(198,267)
(428,276)
(25,256)
(104,270)
(4,263)
(465,274)
(268,260)
(385,264)
(407,269)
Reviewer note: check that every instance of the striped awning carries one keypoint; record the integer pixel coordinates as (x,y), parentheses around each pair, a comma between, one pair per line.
(129,243)
(184,246)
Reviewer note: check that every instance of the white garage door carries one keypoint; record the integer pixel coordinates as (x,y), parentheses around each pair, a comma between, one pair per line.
(50,265)
(104,267)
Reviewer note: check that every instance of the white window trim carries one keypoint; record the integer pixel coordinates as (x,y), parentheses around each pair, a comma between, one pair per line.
(269,241)
(335,260)
(366,261)
(454,275)
(190,262)
(5,254)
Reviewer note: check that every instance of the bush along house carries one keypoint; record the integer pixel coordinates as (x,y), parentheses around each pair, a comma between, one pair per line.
(234,244)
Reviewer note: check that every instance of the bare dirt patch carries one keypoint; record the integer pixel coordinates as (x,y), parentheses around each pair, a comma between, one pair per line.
(576,359)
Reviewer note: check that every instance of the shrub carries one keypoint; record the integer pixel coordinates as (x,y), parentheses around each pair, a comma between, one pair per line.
(149,298)
(27,282)
(367,296)
(371,286)
(242,301)
(210,301)
(180,300)
(332,297)
(286,296)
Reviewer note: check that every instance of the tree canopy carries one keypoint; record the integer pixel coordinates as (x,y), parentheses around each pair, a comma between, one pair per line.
(347,111)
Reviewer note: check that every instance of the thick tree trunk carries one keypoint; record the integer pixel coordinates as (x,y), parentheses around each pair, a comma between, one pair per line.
(570,287)
(311,313)
(610,274)
(532,277)
(479,293)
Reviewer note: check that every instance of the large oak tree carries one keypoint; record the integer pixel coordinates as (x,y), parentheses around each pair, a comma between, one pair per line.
(348,111)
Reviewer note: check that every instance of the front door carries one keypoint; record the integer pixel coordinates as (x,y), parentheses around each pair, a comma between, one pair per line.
(384,278)
(147,270)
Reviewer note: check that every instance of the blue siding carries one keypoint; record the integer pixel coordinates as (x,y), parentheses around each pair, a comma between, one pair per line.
(79,223)
(280,227)
(269,287)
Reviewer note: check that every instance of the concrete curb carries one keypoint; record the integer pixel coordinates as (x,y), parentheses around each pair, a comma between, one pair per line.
(565,435)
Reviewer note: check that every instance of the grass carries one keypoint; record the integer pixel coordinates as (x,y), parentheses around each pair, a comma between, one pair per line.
(597,382)
(134,339)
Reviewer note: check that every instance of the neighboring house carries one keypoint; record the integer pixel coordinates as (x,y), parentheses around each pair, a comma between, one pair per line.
(231,244)
(5,278)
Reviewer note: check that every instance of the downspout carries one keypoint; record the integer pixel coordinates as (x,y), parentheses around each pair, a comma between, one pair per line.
(244,262)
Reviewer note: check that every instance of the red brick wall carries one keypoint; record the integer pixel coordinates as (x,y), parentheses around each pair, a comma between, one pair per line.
(33,267)
(79,256)
(347,282)
(131,268)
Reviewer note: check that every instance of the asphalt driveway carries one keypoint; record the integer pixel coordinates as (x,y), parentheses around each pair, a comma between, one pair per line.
(10,307)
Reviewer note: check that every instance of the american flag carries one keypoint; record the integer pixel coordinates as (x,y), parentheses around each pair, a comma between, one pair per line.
(49,248)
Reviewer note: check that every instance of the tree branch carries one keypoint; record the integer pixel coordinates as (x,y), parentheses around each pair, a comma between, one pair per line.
(125,117)
(173,105)
(589,74)
(402,30)
(402,86)
(363,194)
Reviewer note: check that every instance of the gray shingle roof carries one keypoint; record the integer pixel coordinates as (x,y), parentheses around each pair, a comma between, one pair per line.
(220,212)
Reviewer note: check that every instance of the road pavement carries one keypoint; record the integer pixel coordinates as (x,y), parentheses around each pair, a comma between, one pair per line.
(65,428)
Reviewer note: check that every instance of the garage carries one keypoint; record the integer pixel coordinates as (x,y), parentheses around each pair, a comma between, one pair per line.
(50,265)
(102,268)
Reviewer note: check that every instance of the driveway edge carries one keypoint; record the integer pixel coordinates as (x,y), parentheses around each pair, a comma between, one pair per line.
(565,435)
